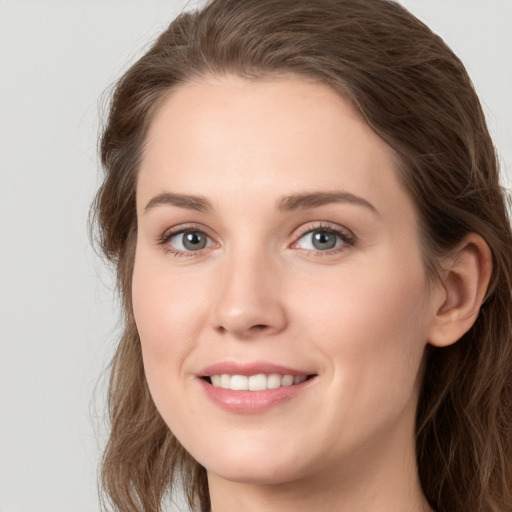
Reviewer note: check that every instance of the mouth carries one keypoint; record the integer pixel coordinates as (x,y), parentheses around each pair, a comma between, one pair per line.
(250,388)
(256,382)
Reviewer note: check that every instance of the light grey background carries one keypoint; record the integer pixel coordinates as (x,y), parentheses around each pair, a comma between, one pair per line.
(58,320)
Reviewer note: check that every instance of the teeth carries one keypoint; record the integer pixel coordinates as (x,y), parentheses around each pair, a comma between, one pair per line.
(225,381)
(239,383)
(259,382)
(274,381)
(298,380)
(287,380)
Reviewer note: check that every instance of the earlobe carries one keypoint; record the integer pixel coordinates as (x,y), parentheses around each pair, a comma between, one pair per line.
(465,278)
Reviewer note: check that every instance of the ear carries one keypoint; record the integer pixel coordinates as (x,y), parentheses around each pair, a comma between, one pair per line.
(465,277)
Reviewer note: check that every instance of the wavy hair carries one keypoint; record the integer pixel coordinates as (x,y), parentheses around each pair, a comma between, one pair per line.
(416,95)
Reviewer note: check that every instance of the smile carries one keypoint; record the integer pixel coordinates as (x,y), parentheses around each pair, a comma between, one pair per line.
(252,388)
(258,382)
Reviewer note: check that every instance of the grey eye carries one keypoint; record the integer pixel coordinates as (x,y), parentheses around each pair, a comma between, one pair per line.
(319,240)
(190,241)
(323,240)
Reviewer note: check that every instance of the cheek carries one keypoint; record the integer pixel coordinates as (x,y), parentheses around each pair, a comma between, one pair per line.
(379,296)
(167,313)
(372,327)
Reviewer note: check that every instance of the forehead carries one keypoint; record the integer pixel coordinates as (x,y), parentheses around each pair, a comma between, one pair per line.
(266,137)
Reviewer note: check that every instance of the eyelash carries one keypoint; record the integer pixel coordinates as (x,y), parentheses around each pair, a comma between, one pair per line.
(168,235)
(347,238)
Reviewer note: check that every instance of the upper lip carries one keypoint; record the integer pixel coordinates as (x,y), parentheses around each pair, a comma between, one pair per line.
(249,368)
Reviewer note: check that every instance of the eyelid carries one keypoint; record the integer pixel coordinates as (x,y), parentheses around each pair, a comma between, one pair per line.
(179,229)
(326,226)
(346,235)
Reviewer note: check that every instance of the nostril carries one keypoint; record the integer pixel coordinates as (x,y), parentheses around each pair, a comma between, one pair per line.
(259,327)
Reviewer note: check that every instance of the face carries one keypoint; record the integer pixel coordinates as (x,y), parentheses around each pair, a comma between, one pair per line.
(278,287)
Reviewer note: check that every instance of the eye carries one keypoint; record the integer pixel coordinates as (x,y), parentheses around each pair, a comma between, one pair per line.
(189,241)
(323,239)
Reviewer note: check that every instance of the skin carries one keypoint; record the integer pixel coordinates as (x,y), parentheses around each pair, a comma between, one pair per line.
(358,316)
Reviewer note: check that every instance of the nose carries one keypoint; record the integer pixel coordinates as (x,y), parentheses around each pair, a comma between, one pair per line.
(250,302)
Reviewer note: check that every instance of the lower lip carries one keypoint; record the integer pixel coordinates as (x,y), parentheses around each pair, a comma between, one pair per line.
(252,402)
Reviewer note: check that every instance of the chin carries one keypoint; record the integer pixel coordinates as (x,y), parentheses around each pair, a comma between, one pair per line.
(254,473)
(261,464)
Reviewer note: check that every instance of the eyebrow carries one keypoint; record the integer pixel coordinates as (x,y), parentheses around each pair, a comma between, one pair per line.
(302,201)
(307,201)
(197,203)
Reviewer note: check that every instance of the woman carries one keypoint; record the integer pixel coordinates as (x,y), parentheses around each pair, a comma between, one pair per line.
(302,202)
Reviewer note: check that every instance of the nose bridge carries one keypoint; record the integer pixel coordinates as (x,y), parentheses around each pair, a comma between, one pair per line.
(249,299)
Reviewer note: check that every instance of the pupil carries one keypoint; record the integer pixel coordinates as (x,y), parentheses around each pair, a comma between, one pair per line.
(324,240)
(194,240)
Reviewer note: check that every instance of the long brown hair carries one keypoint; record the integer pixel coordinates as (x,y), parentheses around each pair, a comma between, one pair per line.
(415,94)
